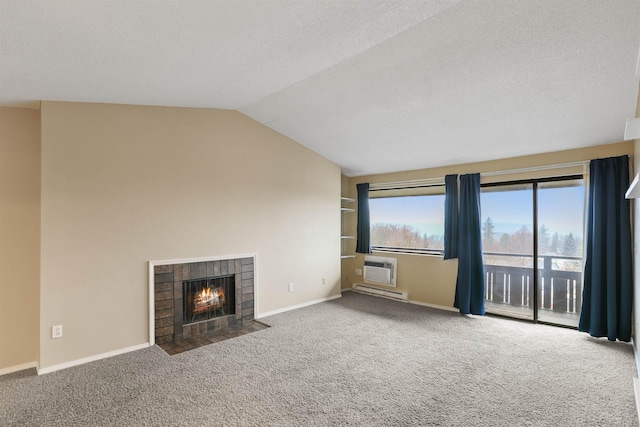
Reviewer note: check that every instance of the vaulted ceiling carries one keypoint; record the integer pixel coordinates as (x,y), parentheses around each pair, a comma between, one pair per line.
(375,86)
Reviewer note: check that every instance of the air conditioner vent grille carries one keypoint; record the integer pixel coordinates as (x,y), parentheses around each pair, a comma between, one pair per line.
(380,270)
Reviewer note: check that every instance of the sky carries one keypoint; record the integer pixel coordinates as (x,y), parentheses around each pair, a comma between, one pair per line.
(560,209)
(424,213)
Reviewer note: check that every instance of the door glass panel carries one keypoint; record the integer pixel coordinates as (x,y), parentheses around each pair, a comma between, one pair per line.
(507,242)
(560,243)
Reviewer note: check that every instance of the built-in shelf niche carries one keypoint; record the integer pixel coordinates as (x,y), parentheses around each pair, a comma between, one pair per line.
(346,247)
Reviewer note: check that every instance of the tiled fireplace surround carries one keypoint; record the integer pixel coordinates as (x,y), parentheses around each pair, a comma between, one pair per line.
(168,306)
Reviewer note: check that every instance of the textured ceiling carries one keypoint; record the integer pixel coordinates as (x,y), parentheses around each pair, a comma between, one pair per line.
(375,86)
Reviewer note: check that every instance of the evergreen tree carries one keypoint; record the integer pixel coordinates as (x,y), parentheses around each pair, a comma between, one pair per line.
(488,230)
(569,246)
(543,239)
(554,248)
(488,233)
(505,242)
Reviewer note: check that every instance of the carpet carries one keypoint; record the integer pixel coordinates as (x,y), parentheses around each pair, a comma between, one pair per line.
(357,360)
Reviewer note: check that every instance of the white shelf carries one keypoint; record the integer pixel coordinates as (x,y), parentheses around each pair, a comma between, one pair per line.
(345,237)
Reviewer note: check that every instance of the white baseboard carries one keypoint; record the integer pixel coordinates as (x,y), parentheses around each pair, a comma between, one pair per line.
(96,357)
(424,304)
(439,307)
(17,368)
(84,360)
(294,307)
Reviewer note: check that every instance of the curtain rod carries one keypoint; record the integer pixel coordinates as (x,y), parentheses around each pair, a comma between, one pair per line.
(436,182)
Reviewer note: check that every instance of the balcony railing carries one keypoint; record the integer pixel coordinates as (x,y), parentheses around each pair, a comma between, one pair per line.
(559,279)
(509,281)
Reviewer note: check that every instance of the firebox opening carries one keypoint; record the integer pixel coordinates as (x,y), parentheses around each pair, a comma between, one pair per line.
(206,299)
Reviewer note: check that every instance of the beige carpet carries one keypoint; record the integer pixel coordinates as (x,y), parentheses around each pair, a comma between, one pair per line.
(357,360)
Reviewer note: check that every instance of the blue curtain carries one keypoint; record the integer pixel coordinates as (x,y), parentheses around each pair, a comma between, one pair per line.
(363,242)
(450,216)
(470,283)
(607,296)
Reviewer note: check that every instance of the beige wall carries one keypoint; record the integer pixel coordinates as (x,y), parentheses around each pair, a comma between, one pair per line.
(19,236)
(123,185)
(429,279)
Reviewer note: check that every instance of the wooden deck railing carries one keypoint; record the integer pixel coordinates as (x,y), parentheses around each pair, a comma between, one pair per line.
(560,287)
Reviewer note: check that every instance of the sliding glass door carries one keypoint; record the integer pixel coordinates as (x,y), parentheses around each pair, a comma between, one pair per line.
(560,241)
(534,226)
(508,249)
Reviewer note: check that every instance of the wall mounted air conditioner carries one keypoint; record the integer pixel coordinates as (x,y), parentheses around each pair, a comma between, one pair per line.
(380,270)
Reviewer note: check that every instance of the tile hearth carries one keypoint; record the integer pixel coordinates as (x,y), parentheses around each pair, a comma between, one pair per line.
(190,343)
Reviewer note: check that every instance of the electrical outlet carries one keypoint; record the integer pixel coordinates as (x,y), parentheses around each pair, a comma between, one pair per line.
(290,287)
(358,272)
(56,331)
(324,281)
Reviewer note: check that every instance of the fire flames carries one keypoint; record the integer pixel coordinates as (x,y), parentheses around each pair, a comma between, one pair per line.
(208,298)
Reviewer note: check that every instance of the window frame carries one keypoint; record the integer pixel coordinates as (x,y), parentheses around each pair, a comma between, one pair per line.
(439,189)
(411,191)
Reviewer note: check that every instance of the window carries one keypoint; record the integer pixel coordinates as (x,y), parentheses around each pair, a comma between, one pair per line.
(413,224)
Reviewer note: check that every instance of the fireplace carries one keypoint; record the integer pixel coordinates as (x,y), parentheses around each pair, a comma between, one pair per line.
(207,299)
(193,298)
